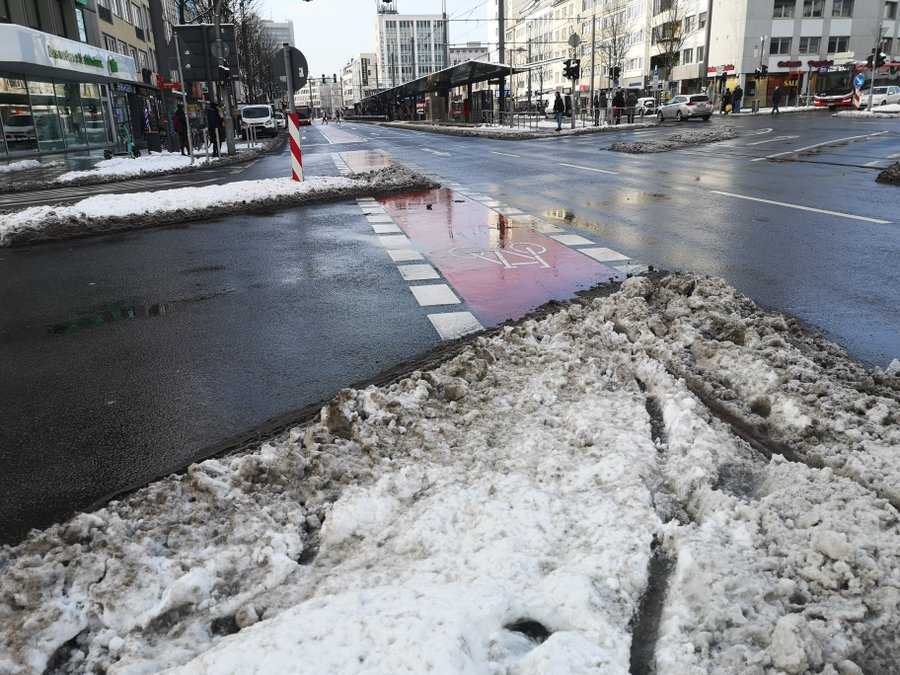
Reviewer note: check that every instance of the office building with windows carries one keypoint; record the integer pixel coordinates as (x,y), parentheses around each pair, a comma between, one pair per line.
(409,46)
(279,32)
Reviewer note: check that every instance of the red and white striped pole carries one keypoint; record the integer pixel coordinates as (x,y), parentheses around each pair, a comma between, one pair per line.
(296,156)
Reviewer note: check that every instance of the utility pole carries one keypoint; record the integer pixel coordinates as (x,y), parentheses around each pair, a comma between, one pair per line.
(593,52)
(879,31)
(529,69)
(187,116)
(289,76)
(220,45)
(501,39)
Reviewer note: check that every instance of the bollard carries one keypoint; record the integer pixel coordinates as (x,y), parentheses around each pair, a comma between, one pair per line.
(296,156)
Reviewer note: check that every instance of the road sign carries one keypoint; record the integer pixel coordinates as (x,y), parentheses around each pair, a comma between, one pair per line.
(859,80)
(299,67)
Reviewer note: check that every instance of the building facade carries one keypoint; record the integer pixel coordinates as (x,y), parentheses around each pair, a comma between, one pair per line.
(472,51)
(61,91)
(409,46)
(360,78)
(279,32)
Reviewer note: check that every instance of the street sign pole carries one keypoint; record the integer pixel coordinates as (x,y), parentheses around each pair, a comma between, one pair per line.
(187,118)
(879,30)
(229,121)
(289,76)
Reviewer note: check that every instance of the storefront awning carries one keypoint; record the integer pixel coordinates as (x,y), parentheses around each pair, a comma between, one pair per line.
(33,53)
(470,72)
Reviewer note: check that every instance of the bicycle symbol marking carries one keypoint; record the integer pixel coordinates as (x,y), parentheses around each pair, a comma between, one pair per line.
(518,254)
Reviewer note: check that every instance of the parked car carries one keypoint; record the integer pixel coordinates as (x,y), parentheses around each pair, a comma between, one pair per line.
(261,117)
(280,120)
(880,96)
(685,106)
(646,105)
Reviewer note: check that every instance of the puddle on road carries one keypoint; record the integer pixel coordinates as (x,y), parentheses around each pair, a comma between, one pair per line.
(117,312)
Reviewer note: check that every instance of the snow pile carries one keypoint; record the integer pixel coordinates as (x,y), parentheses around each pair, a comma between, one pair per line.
(680,139)
(499,513)
(112,212)
(545,129)
(890,175)
(882,111)
(21,165)
(120,167)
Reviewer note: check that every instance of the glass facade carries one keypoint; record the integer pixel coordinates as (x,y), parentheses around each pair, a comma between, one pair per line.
(39,116)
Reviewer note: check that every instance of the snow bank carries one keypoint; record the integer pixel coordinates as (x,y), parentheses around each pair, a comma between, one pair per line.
(113,212)
(882,111)
(120,167)
(498,515)
(21,165)
(680,139)
(545,129)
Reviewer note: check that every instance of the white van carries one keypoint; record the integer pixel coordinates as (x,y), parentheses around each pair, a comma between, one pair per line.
(261,117)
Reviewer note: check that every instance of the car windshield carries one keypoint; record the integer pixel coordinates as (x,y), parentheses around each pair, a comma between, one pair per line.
(255,113)
(699,99)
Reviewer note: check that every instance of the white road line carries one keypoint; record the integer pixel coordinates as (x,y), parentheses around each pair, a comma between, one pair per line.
(874,162)
(817,145)
(803,208)
(436,152)
(589,168)
(896,155)
(773,140)
(505,154)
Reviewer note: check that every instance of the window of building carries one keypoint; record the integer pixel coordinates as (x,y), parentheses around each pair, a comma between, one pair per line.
(701,51)
(687,56)
(780,45)
(137,16)
(842,8)
(838,44)
(813,8)
(810,45)
(887,45)
(79,19)
(15,111)
(4,11)
(784,9)
(689,24)
(123,48)
(45,117)
(890,10)
(701,20)
(32,14)
(109,42)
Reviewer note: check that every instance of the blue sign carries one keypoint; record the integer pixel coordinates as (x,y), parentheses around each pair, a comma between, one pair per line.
(859,81)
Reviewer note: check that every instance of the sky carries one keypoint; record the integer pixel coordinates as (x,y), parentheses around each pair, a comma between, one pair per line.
(329,32)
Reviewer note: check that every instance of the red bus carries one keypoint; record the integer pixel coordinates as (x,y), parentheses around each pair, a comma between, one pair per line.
(305,114)
(836,89)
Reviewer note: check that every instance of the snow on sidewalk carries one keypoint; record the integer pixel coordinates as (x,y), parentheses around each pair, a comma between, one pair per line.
(118,167)
(880,112)
(118,211)
(498,515)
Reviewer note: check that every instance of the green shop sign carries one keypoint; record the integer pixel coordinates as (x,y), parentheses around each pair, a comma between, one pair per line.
(75,57)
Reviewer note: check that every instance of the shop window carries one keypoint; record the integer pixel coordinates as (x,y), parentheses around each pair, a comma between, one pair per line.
(46,121)
(93,114)
(15,113)
(68,103)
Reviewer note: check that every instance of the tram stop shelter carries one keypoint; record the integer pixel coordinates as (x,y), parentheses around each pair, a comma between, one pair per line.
(439,96)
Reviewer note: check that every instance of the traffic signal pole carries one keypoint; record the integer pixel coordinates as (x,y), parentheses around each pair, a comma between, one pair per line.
(229,121)
(876,52)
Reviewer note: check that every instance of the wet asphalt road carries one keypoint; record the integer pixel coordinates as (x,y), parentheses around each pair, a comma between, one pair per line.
(126,357)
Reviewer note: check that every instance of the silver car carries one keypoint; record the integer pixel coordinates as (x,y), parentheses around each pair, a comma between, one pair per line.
(685,106)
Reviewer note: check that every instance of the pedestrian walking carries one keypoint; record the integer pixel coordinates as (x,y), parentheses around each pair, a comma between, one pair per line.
(604,105)
(337,116)
(558,109)
(726,101)
(618,106)
(776,100)
(179,120)
(737,97)
(596,106)
(213,124)
(631,104)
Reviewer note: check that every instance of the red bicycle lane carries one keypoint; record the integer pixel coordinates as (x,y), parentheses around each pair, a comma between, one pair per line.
(500,266)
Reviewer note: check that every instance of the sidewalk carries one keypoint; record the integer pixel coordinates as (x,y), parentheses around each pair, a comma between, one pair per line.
(784,110)
(545,129)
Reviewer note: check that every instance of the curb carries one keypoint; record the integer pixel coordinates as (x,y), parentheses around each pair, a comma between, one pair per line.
(96,180)
(79,228)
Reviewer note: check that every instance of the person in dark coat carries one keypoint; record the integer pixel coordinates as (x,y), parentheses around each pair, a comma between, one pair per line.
(179,120)
(726,101)
(604,105)
(618,105)
(213,126)
(595,104)
(776,101)
(558,109)
(631,104)
(736,97)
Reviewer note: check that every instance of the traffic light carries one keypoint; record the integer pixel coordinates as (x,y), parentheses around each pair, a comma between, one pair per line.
(572,69)
(878,56)
(616,72)
(765,70)
(334,78)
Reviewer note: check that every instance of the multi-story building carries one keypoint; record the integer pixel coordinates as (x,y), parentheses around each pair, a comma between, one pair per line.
(279,32)
(472,51)
(309,96)
(409,45)
(359,78)
(62,89)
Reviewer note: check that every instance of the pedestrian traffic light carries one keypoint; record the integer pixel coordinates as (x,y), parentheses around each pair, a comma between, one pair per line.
(616,72)
(572,69)
(765,70)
